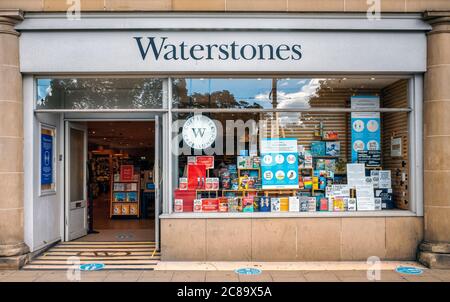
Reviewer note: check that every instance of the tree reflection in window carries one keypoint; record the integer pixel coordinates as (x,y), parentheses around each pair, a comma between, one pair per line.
(100,93)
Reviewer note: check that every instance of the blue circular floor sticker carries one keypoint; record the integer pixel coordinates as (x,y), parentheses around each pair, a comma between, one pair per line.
(409,270)
(92,267)
(248,271)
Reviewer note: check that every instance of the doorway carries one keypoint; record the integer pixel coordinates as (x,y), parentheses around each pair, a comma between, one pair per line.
(111,185)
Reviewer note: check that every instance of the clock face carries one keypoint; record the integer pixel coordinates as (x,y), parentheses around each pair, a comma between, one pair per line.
(199,132)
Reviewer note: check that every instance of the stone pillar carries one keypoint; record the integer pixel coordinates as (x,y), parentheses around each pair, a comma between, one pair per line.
(12,247)
(435,250)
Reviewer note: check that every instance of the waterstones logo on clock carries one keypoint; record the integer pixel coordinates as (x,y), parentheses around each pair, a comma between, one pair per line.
(199,132)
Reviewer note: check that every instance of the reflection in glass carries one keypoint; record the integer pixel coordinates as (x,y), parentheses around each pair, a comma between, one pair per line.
(272,93)
(99,93)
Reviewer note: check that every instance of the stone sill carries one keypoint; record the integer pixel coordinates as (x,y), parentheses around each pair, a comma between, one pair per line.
(384,213)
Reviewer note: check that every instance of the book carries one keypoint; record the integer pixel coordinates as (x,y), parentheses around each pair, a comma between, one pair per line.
(247,204)
(244,162)
(294,204)
(275,204)
(320,164)
(323,204)
(133,209)
(264,204)
(330,165)
(183,183)
(338,204)
(332,149)
(223,204)
(351,204)
(178,205)
(330,135)
(210,205)
(212,183)
(132,196)
(312,204)
(304,203)
(119,197)
(125,209)
(318,148)
(234,204)
(197,205)
(118,186)
(284,204)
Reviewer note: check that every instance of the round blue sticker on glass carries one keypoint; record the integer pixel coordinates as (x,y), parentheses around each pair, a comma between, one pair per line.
(248,271)
(92,267)
(409,270)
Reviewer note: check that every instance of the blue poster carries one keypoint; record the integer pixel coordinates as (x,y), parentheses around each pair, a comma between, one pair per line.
(279,163)
(365,125)
(46,159)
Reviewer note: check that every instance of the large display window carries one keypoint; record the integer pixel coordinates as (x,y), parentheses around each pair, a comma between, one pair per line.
(290,145)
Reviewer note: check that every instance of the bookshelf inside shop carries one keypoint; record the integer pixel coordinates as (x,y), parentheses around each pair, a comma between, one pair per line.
(125,198)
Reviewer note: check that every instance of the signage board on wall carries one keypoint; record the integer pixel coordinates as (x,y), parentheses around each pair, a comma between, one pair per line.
(221,51)
(365,125)
(47,159)
(279,163)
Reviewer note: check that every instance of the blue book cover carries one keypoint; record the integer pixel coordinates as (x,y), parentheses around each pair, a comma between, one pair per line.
(131,197)
(318,148)
(119,197)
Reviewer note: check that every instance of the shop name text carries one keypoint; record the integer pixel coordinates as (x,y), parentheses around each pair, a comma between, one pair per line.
(160,48)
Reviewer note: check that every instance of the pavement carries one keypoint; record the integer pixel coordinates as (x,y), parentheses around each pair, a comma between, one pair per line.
(222,272)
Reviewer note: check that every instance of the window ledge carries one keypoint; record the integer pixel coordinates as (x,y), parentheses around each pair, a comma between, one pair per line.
(384,213)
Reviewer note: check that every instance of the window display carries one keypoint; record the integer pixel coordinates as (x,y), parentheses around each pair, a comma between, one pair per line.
(314,160)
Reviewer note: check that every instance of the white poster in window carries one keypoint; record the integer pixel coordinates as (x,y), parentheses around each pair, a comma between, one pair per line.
(385,181)
(356,175)
(365,198)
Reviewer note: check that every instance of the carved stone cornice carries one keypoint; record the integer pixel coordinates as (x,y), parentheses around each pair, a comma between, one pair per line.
(8,19)
(439,20)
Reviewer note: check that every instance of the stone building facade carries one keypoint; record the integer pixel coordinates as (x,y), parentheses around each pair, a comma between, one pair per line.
(401,236)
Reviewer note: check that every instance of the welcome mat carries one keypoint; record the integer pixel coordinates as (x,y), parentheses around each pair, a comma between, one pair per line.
(113,255)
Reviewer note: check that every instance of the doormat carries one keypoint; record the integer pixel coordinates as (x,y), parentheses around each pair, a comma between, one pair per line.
(112,255)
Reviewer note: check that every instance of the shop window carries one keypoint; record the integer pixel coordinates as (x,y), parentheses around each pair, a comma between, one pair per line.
(346,151)
(100,93)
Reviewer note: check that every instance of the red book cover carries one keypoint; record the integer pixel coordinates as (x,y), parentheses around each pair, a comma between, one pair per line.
(206,160)
(196,176)
(126,172)
(210,204)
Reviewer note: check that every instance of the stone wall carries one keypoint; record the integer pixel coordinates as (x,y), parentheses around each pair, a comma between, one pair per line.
(291,239)
(230,5)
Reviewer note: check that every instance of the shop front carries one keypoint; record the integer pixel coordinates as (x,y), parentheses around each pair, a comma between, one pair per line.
(274,138)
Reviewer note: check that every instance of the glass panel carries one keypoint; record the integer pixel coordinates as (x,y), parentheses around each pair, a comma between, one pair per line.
(76,165)
(290,162)
(281,93)
(100,93)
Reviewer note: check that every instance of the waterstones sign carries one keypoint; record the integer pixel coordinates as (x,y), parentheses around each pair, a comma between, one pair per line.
(162,48)
(190,52)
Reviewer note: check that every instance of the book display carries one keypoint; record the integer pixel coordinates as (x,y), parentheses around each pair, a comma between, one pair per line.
(319,163)
(125,192)
(286,175)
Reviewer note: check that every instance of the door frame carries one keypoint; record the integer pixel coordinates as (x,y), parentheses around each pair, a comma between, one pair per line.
(81,117)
